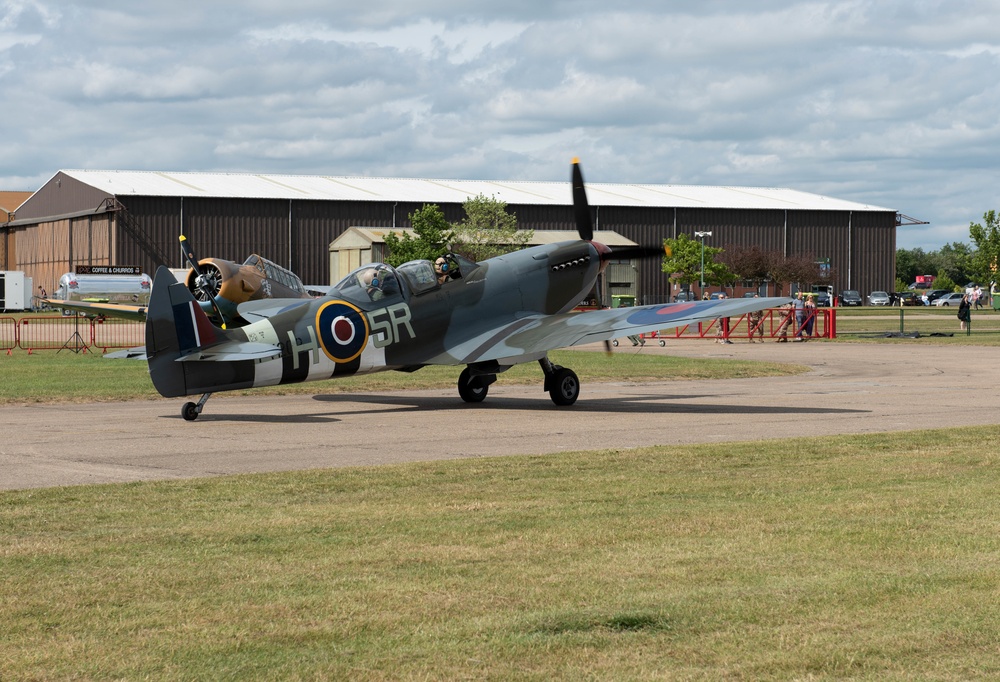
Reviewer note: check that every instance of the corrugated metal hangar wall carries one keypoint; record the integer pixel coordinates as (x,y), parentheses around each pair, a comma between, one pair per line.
(86,228)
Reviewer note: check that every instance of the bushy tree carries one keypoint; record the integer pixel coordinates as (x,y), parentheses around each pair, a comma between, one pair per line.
(986,237)
(432,235)
(488,230)
(682,262)
(799,269)
(913,262)
(750,263)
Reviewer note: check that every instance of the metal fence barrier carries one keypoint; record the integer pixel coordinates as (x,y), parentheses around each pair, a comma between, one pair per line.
(76,334)
(81,335)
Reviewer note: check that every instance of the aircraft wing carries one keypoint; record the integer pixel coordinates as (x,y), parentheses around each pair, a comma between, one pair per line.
(128,312)
(537,334)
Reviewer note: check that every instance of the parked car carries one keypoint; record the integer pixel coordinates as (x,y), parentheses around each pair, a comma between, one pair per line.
(878,298)
(953,298)
(822,299)
(850,297)
(685,295)
(934,294)
(906,298)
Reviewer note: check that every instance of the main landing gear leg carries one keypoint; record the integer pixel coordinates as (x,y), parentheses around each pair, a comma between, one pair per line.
(561,382)
(190,411)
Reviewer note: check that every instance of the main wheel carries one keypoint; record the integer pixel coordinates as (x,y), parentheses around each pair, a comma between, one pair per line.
(472,389)
(189,412)
(564,387)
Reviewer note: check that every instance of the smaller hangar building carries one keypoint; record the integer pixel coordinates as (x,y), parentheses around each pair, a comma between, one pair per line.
(88,217)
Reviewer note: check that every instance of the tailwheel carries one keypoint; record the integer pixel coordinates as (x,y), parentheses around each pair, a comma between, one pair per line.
(190,411)
(473,389)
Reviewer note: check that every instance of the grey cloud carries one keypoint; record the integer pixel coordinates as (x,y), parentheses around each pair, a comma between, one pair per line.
(890,103)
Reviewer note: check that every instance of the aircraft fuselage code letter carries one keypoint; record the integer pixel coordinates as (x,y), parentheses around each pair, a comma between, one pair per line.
(387,322)
(299,347)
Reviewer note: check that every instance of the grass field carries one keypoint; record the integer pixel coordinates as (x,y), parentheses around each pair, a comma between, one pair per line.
(860,557)
(866,557)
(54,377)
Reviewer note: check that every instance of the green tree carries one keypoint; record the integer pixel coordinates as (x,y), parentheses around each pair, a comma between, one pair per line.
(943,281)
(684,258)
(431,236)
(913,262)
(488,230)
(987,240)
(955,260)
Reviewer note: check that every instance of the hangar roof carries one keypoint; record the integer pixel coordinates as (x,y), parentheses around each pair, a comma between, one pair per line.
(326,187)
(364,237)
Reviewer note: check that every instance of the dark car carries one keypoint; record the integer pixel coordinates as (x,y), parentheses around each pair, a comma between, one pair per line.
(686,295)
(822,299)
(934,294)
(850,297)
(902,298)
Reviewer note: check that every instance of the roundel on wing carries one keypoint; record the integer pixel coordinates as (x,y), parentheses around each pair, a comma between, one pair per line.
(343,330)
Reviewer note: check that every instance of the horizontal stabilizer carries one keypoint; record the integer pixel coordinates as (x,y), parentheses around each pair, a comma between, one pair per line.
(136,353)
(233,350)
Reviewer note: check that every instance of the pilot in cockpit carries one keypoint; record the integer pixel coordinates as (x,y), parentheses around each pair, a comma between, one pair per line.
(441,269)
(379,283)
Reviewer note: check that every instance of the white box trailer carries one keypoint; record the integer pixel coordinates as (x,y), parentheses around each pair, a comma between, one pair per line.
(130,289)
(15,291)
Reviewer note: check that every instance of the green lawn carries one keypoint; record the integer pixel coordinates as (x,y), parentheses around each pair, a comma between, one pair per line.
(861,557)
(52,377)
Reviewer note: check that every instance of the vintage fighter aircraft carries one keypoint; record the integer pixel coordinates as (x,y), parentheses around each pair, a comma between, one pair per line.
(217,284)
(488,316)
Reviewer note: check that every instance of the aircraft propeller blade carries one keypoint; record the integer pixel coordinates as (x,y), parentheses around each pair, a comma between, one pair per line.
(581,209)
(637,252)
(200,281)
(585,223)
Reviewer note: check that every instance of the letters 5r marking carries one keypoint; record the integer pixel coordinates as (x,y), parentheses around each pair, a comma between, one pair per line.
(387,323)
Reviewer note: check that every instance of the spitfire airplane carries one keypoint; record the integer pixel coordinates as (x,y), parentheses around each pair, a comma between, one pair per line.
(217,284)
(488,316)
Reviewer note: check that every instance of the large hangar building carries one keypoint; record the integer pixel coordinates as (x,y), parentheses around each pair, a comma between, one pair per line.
(87,217)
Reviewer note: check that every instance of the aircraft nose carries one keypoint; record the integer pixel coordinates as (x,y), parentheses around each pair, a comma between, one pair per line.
(603,252)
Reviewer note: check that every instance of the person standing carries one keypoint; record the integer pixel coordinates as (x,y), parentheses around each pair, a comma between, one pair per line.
(964,313)
(810,316)
(722,335)
(799,306)
(786,319)
(756,322)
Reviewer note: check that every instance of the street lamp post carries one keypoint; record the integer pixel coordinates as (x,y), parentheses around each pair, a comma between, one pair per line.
(702,236)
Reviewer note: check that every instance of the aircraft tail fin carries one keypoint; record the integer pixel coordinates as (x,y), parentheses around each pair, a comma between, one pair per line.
(176,329)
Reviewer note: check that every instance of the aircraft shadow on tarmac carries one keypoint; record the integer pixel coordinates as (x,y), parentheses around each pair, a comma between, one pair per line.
(395,403)
(630,405)
(325,418)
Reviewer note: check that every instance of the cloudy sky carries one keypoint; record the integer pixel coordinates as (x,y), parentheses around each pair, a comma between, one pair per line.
(894,103)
